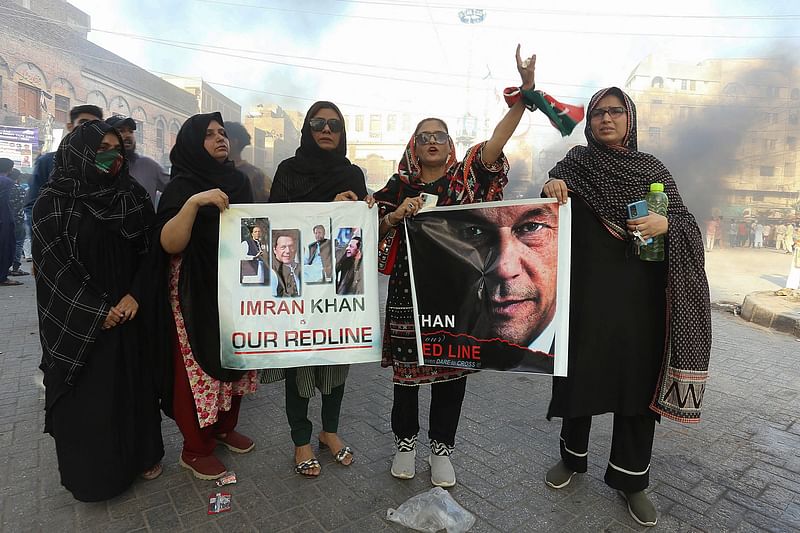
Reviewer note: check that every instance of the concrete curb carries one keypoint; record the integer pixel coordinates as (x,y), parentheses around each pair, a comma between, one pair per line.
(766,309)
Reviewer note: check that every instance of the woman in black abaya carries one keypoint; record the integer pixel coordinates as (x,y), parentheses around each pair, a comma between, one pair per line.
(91,227)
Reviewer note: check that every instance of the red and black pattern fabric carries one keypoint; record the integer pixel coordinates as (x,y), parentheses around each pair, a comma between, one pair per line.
(608,178)
(464,182)
(72,307)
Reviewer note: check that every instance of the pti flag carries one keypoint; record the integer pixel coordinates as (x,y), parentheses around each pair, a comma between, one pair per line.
(490,285)
(298,285)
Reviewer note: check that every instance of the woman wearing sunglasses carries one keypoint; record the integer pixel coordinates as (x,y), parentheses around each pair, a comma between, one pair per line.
(319,172)
(647,356)
(429,165)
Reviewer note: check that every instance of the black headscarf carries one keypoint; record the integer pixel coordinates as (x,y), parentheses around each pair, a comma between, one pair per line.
(608,178)
(315,174)
(195,171)
(72,306)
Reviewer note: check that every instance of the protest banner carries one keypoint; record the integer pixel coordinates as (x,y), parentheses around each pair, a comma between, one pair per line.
(19,145)
(298,285)
(490,285)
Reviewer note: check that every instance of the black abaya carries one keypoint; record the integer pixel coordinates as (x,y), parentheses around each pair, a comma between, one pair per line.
(107,426)
(616,325)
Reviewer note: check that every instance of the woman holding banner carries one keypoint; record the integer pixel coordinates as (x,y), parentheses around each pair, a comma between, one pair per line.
(640,331)
(319,172)
(205,397)
(429,165)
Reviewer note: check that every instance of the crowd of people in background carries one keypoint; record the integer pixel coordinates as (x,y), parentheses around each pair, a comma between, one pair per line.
(776,234)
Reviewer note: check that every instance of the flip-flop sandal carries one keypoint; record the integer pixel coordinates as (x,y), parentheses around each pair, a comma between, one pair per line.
(18,273)
(10,283)
(341,455)
(306,466)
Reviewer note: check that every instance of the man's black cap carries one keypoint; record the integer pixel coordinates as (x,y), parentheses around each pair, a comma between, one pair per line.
(118,121)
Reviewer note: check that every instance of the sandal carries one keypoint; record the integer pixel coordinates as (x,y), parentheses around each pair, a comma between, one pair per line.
(10,283)
(341,455)
(18,272)
(306,466)
(152,473)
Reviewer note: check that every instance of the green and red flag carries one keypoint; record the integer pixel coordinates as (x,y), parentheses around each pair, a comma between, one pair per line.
(563,117)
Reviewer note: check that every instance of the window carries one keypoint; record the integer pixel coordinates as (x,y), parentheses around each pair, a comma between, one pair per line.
(773,92)
(62,109)
(789,170)
(658,82)
(139,133)
(359,122)
(767,171)
(692,85)
(769,144)
(28,101)
(734,89)
(791,143)
(160,136)
(374,123)
(391,122)
(655,134)
(684,85)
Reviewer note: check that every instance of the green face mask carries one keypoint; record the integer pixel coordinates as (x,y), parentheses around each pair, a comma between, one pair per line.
(109,162)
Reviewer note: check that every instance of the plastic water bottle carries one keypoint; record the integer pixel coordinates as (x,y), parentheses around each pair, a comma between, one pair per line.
(657,203)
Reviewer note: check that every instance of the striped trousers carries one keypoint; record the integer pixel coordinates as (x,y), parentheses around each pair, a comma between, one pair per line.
(628,467)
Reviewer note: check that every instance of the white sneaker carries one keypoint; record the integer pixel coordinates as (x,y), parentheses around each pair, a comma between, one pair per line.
(404,464)
(442,473)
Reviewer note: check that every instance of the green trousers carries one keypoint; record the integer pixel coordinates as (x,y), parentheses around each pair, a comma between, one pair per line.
(297,410)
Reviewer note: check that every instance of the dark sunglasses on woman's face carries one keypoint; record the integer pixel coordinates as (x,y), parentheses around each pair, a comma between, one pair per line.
(613,112)
(318,124)
(437,137)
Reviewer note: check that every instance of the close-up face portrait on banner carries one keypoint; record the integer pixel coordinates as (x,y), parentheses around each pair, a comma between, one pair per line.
(489,281)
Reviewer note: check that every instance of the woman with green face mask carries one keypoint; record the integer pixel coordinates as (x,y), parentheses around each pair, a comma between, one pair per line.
(91,234)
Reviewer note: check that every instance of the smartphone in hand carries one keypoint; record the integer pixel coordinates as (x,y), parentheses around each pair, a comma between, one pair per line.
(428,200)
(638,210)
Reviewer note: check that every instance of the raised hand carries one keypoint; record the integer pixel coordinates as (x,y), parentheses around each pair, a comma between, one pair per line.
(526,69)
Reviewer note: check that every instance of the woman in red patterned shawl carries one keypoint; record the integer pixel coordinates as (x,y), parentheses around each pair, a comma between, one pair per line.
(429,165)
(640,331)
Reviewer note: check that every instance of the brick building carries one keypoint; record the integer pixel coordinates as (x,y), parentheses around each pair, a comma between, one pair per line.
(48,66)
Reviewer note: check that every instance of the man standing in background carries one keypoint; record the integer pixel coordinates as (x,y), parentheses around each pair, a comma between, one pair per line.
(146,171)
(259,182)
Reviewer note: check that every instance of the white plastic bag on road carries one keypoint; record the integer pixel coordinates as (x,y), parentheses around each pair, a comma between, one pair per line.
(432,511)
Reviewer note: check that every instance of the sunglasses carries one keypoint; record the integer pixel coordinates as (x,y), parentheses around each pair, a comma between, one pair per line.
(438,137)
(318,124)
(613,112)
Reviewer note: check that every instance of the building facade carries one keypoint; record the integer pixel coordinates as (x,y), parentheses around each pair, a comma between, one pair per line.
(47,66)
(208,98)
(744,110)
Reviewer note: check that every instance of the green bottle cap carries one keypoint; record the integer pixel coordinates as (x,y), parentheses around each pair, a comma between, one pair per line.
(656,187)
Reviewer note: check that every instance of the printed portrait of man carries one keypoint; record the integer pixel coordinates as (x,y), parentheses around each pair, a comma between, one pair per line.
(349,270)
(252,269)
(495,269)
(285,266)
(320,256)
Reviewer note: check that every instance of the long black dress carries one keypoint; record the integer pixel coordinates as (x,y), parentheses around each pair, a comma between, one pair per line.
(617,324)
(107,427)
